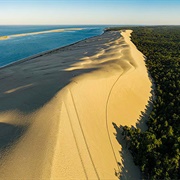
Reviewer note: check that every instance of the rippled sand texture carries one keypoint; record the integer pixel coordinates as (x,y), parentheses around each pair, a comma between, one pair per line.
(60,108)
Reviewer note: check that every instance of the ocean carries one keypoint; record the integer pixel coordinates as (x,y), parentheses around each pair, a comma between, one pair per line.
(24,41)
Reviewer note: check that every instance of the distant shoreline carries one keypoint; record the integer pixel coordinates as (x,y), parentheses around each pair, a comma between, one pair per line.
(46,52)
(39,32)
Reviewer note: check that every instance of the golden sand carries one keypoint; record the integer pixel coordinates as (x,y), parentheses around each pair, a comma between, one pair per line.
(66,102)
(4,37)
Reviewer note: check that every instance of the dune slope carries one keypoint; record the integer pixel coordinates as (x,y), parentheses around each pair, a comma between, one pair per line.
(63,105)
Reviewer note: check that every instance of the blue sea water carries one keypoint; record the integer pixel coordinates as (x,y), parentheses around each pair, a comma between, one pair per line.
(16,48)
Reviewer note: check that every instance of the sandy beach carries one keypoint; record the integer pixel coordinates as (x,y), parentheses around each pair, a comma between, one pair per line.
(57,110)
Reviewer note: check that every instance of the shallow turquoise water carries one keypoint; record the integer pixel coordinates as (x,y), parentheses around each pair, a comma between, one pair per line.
(16,48)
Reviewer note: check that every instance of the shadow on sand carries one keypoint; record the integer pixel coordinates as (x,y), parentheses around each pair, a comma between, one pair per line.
(29,84)
(9,134)
(129,171)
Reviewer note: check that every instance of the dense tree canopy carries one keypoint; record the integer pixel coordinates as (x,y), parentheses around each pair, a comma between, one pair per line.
(157,150)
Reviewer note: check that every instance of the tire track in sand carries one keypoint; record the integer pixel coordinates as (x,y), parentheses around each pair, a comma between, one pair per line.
(107,127)
(76,142)
(80,125)
(125,70)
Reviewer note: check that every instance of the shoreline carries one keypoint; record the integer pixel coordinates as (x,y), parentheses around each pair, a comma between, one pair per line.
(46,52)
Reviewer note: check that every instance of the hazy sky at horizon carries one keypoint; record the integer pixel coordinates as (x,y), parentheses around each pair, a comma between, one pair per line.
(89,12)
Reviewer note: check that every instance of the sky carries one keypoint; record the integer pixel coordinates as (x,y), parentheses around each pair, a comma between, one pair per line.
(72,12)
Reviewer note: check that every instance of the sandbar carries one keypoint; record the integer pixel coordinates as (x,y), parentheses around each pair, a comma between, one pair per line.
(40,32)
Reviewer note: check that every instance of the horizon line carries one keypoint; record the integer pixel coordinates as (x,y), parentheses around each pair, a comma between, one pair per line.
(89,24)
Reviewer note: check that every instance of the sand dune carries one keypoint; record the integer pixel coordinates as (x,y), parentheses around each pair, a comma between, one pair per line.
(40,32)
(61,106)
